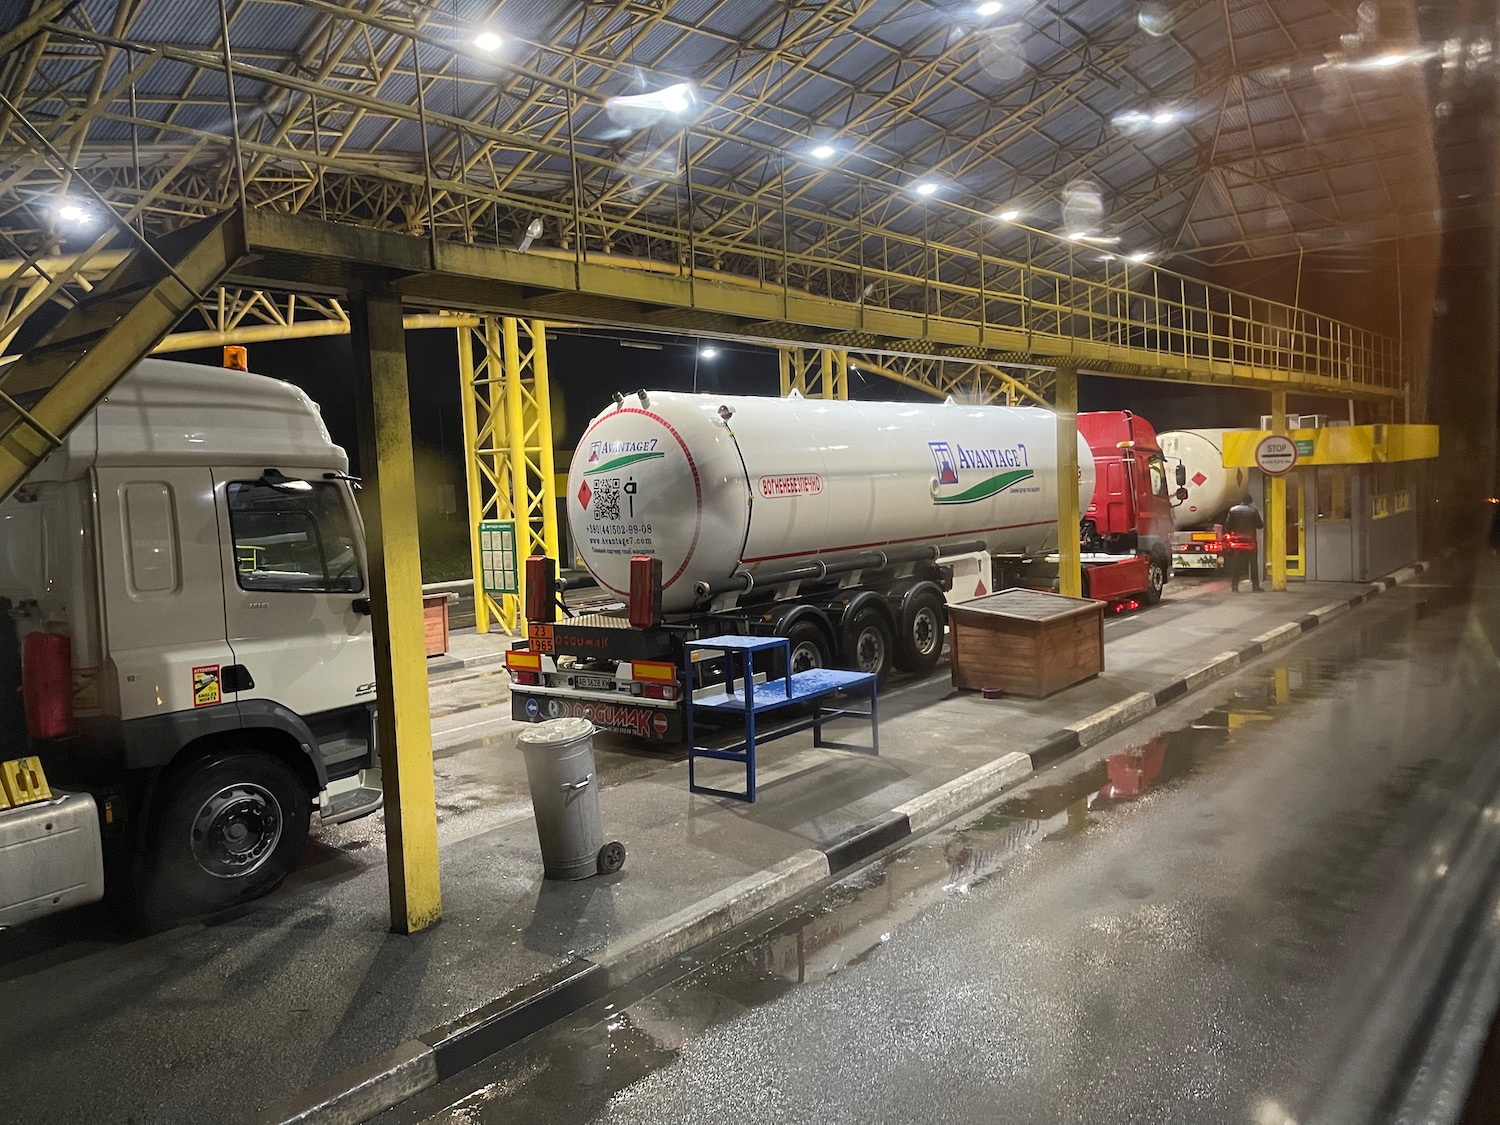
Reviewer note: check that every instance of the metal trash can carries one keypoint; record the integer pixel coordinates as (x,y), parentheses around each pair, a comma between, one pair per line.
(565,798)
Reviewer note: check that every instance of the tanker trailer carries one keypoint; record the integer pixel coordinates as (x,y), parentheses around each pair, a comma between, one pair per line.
(817,520)
(1212,489)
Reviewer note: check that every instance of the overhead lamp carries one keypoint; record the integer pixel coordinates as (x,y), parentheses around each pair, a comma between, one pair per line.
(74,214)
(1087,236)
(1165,117)
(925,187)
(1009,216)
(488,41)
(990,8)
(532,233)
(677,98)
(1141,256)
(709,352)
(822,151)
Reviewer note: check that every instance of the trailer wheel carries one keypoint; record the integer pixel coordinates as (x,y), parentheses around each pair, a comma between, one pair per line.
(231,829)
(919,644)
(1156,579)
(810,648)
(868,642)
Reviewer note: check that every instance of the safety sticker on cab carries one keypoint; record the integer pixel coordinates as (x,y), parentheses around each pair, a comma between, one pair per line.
(205,685)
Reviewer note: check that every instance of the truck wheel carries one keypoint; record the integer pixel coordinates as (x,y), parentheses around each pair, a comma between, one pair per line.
(868,644)
(920,641)
(232,828)
(810,648)
(1156,579)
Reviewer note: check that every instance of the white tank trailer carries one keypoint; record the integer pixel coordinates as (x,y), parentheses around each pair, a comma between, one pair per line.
(732,492)
(1212,489)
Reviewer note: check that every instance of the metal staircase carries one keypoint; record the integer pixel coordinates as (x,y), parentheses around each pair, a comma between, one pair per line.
(48,390)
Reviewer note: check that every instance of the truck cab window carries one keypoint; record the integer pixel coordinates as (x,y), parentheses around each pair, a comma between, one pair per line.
(299,542)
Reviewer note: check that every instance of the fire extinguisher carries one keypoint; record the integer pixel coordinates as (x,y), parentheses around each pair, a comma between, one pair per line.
(47,684)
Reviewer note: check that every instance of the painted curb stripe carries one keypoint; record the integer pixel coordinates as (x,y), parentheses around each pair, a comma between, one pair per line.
(865,841)
(1175,690)
(361,1093)
(497,1025)
(1059,745)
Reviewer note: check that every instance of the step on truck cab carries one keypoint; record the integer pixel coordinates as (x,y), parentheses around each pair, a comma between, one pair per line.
(185,647)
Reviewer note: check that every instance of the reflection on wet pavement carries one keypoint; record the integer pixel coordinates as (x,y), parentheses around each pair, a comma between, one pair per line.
(591,1063)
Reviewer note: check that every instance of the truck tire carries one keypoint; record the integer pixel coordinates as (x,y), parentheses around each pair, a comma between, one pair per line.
(919,643)
(810,647)
(868,641)
(1156,579)
(232,827)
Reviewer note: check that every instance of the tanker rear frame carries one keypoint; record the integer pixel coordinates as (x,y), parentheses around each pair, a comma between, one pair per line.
(624,670)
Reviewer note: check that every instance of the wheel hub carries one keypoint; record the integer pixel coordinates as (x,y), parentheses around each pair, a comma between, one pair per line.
(236,830)
(869,651)
(924,632)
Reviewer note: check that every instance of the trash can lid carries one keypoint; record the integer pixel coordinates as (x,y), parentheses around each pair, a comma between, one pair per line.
(556,732)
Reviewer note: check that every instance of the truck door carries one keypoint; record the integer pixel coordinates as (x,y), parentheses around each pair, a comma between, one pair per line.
(293,562)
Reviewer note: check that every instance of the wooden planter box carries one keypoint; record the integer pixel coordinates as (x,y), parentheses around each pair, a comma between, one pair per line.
(435,623)
(1025,642)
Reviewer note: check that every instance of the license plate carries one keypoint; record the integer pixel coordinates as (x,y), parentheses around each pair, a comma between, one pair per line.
(594,683)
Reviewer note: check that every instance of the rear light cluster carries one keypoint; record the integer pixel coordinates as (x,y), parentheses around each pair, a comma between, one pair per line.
(524,667)
(659,691)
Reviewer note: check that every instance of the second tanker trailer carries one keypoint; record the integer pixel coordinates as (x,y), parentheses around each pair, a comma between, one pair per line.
(830,523)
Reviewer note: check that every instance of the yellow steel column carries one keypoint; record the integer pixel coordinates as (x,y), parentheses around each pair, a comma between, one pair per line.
(541,396)
(515,433)
(825,372)
(403,728)
(1069,569)
(784,367)
(841,375)
(466,393)
(1276,503)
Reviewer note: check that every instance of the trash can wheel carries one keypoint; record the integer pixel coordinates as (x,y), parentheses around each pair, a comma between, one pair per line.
(611,857)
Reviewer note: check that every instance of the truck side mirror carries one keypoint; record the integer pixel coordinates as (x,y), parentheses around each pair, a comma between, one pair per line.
(1181,477)
(1182,493)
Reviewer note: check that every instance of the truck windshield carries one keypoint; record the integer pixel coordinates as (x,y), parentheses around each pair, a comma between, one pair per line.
(299,542)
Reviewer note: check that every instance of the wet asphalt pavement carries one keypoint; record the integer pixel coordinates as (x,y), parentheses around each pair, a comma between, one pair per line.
(1235,911)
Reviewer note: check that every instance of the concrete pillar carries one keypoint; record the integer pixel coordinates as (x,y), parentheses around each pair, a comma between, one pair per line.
(1276,503)
(1069,571)
(404,730)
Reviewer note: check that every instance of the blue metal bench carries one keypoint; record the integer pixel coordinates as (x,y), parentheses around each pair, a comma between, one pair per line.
(752,700)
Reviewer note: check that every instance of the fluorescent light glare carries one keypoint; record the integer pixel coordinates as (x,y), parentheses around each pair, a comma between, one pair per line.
(709,352)
(1009,216)
(1165,117)
(821,152)
(677,98)
(926,187)
(990,8)
(488,41)
(74,214)
(1141,256)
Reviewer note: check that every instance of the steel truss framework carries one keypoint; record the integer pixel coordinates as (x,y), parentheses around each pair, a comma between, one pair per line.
(386,116)
(508,449)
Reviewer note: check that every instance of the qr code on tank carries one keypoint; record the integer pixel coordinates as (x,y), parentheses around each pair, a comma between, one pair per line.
(607,499)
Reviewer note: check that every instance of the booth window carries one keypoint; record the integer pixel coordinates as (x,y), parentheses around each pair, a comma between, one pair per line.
(1333,492)
(294,542)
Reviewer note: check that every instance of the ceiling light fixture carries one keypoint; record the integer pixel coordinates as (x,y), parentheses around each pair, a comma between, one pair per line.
(709,352)
(1009,216)
(990,8)
(488,41)
(926,187)
(822,152)
(74,214)
(1141,256)
(532,233)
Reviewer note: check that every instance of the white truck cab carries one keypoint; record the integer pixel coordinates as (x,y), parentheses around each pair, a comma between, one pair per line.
(183,591)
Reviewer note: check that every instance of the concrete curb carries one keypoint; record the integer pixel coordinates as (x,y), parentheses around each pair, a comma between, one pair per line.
(365,1091)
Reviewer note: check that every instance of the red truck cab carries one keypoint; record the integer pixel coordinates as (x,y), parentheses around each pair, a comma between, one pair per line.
(1131,511)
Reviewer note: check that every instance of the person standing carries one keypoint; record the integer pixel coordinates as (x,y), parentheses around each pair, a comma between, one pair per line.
(1241,545)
